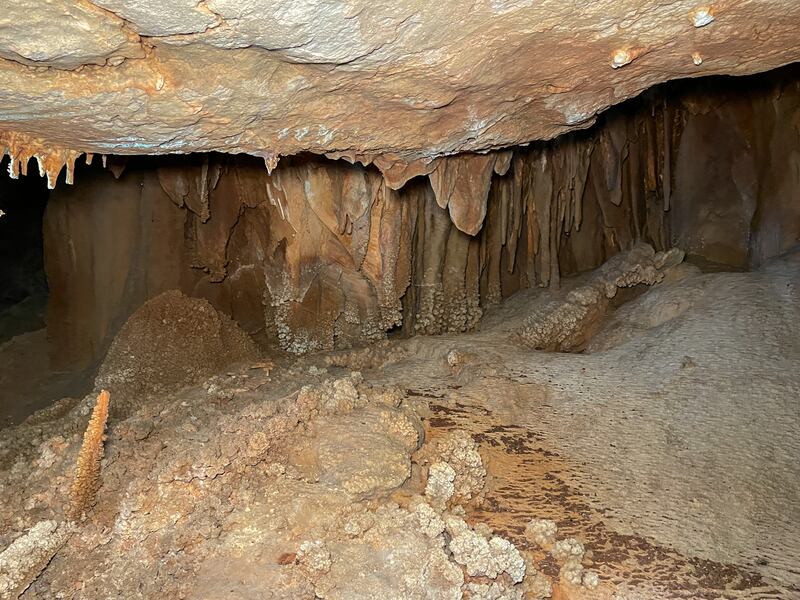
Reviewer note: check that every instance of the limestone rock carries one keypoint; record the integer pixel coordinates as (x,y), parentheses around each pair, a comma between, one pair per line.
(458,469)
(542,532)
(363,450)
(64,35)
(570,552)
(568,323)
(492,591)
(440,487)
(323,255)
(393,559)
(314,556)
(28,555)
(481,556)
(357,79)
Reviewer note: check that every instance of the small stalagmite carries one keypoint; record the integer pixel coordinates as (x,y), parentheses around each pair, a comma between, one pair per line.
(87,469)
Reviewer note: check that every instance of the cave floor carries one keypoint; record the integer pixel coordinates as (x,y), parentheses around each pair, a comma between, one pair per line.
(669,448)
(672,450)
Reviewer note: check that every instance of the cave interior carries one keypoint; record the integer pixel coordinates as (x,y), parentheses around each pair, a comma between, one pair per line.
(537,296)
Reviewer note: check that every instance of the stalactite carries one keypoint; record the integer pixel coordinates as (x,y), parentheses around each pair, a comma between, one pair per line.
(396,173)
(513,228)
(428,317)
(189,185)
(335,256)
(454,283)
(322,254)
(388,257)
(493,239)
(21,148)
(461,184)
(472,286)
(542,200)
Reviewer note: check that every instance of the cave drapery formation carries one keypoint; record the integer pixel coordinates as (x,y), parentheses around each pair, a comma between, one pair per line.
(322,254)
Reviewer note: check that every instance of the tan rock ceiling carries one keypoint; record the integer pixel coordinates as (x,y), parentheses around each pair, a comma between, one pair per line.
(365,79)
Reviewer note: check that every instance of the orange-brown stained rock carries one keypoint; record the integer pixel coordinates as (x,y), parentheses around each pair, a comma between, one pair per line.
(397,172)
(359,78)
(461,184)
(287,558)
(324,254)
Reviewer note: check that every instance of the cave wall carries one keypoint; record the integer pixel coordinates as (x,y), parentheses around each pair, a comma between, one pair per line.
(322,254)
(109,246)
(737,169)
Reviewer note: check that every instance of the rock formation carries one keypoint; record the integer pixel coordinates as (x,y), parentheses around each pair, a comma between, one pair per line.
(566,324)
(169,342)
(315,470)
(391,300)
(395,83)
(519,476)
(88,466)
(323,254)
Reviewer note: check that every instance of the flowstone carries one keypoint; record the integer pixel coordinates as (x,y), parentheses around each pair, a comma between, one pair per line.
(567,324)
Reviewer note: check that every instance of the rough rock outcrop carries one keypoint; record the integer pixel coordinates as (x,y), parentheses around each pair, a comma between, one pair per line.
(566,324)
(322,254)
(363,450)
(246,499)
(383,81)
(28,555)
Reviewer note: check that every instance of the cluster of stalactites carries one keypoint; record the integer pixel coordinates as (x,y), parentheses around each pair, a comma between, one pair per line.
(21,148)
(425,258)
(324,254)
(460,183)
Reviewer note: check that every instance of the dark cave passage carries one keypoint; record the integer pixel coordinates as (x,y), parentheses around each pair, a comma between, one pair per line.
(29,379)
(23,293)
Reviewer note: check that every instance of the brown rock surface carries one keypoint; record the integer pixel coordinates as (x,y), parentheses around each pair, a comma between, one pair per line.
(402,81)
(169,342)
(322,254)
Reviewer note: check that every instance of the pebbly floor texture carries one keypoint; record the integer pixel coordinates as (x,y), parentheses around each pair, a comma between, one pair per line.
(653,456)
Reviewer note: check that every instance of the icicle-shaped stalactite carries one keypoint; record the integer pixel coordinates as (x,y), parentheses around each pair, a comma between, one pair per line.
(21,148)
(322,254)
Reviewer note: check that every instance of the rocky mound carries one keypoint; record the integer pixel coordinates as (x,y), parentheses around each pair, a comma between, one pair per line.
(171,341)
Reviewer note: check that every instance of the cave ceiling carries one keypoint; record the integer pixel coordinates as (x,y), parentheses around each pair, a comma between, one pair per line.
(397,83)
